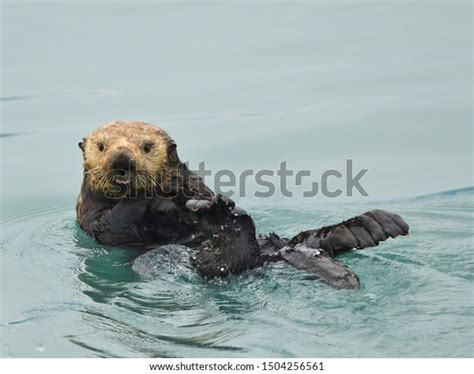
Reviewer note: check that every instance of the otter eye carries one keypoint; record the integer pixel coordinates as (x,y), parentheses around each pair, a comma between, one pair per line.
(147,147)
(101,146)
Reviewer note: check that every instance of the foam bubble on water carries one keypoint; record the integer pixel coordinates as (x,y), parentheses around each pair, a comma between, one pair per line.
(371,298)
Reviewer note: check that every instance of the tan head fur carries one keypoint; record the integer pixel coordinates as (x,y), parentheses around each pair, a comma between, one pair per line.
(127,154)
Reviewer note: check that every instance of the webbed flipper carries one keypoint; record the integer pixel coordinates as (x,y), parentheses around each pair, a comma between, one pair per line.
(359,232)
(320,264)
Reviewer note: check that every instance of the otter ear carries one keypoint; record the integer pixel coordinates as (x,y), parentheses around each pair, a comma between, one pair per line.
(82,144)
(172,153)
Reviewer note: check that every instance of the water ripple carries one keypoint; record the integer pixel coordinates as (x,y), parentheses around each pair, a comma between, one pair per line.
(110,302)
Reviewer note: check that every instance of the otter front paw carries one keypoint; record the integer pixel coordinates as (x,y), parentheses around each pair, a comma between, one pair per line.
(217,206)
(95,229)
(232,245)
(198,205)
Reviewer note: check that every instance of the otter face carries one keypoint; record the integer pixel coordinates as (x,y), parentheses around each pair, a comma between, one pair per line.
(127,157)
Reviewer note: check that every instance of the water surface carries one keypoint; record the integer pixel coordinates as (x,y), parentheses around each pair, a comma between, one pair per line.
(241,86)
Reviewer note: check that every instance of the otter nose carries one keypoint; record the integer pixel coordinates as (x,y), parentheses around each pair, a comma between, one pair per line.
(122,160)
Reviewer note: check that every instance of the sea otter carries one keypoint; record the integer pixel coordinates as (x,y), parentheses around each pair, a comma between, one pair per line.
(137,193)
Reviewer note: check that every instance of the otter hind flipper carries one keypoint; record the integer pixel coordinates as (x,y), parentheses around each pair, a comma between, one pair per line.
(321,265)
(359,232)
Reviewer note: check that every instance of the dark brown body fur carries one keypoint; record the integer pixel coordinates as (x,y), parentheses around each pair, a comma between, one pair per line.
(160,201)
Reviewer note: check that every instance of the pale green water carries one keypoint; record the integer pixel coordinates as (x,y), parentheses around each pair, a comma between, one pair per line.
(241,86)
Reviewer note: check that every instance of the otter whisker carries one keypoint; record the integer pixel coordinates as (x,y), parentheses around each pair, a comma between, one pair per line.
(151,180)
(143,180)
(140,180)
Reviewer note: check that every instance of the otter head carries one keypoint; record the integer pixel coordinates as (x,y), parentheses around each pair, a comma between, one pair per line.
(126,157)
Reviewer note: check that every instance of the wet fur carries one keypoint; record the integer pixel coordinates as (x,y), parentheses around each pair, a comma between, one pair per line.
(171,204)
